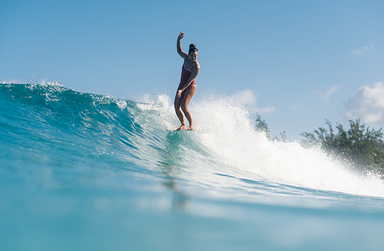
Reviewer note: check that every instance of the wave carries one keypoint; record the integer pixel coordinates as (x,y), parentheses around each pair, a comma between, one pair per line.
(51,125)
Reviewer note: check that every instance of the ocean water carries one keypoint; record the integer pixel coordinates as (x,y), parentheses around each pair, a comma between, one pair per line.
(80,171)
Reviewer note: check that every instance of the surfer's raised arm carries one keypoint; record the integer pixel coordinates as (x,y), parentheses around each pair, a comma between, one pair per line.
(179,50)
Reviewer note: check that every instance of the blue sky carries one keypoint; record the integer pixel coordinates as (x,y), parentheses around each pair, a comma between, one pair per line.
(296,63)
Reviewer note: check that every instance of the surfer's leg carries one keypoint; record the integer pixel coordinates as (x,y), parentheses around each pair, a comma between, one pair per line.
(189,92)
(178,111)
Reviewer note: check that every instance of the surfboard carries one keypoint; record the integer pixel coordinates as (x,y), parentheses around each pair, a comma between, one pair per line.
(172,127)
(175,130)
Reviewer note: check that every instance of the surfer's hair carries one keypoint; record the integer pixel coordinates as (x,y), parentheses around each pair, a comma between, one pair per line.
(192,48)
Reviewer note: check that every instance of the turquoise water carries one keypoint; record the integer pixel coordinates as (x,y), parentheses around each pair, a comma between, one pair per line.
(81,171)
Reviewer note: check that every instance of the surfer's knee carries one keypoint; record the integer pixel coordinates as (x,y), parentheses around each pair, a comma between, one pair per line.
(179,112)
(184,108)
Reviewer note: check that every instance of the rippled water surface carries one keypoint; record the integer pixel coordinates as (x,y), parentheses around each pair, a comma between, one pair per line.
(81,171)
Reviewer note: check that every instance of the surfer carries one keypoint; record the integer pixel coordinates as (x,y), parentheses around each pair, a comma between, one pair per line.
(187,86)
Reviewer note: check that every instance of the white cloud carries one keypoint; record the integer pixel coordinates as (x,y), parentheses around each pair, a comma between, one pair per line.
(297,106)
(268,109)
(326,95)
(333,89)
(248,99)
(368,104)
(362,51)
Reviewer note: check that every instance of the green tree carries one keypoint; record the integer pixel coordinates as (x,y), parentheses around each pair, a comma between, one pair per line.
(359,146)
(262,126)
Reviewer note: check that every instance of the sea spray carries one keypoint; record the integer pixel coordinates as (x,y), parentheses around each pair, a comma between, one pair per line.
(225,129)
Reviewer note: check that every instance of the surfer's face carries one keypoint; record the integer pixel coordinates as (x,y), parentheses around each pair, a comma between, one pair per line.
(193,55)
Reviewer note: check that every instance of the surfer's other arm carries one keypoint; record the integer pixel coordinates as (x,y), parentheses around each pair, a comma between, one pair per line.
(178,47)
(194,72)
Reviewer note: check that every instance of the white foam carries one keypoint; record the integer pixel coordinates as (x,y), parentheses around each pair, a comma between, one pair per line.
(226,130)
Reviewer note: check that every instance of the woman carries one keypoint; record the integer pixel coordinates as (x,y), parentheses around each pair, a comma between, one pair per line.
(187,86)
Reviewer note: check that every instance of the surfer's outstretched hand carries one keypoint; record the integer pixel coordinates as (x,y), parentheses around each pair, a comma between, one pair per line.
(179,93)
(181,35)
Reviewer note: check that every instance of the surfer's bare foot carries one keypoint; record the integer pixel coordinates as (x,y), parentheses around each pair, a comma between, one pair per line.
(191,128)
(182,127)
